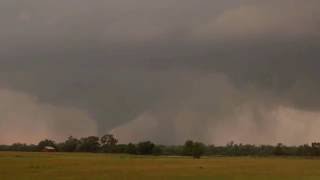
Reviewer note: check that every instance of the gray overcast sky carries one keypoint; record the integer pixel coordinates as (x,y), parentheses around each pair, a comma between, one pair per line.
(167,71)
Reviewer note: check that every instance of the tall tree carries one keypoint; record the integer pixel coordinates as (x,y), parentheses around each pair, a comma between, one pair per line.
(194,149)
(89,144)
(145,148)
(108,142)
(188,148)
(47,142)
(131,149)
(70,145)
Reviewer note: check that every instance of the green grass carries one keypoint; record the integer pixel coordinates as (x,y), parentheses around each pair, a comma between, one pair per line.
(46,166)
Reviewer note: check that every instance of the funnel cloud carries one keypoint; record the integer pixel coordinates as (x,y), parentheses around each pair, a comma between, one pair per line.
(166,71)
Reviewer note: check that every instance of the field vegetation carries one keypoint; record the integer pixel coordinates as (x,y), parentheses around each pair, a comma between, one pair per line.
(93,166)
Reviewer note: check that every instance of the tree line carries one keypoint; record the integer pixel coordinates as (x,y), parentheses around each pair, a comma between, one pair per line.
(109,144)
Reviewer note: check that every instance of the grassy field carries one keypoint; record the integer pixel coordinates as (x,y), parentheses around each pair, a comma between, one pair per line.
(46,166)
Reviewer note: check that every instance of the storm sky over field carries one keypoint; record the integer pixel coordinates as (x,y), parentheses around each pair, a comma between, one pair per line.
(166,71)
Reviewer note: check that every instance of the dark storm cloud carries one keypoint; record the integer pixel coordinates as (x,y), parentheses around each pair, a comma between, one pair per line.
(166,70)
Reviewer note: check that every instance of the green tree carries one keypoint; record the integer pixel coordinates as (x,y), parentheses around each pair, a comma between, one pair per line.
(194,149)
(157,150)
(89,144)
(42,144)
(145,148)
(198,150)
(70,145)
(188,148)
(108,142)
(279,150)
(131,149)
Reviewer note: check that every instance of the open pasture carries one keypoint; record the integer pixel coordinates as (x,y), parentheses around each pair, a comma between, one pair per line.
(68,166)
